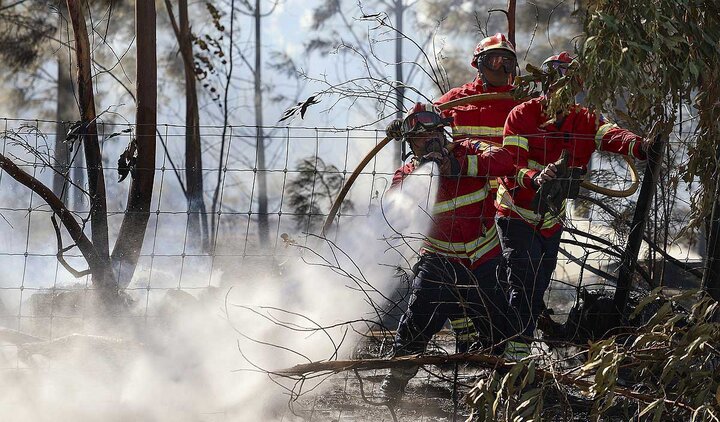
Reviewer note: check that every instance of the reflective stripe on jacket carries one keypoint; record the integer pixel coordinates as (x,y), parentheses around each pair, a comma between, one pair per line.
(534,142)
(480,120)
(463,227)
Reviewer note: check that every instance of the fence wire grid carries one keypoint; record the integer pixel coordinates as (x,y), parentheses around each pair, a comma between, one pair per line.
(38,295)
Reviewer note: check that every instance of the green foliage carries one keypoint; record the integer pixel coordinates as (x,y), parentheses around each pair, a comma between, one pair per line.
(653,56)
(311,193)
(667,369)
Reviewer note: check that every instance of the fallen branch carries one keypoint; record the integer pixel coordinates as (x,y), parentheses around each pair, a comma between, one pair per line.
(488,361)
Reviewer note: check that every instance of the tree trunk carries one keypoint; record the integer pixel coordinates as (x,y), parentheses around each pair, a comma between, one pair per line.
(197,217)
(96,180)
(637,228)
(511,21)
(63,114)
(399,149)
(261,174)
(132,231)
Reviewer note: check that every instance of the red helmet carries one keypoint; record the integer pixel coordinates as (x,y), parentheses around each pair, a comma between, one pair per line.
(558,61)
(495,42)
(423,117)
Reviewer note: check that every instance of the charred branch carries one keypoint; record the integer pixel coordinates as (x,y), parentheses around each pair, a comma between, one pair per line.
(487,361)
(98,263)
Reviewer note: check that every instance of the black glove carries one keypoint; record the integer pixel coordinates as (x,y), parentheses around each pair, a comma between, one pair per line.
(394,129)
(566,185)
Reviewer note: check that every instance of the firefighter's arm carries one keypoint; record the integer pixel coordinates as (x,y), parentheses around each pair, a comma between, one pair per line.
(518,124)
(609,137)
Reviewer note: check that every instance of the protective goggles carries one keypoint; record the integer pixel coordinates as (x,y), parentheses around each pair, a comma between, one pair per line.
(560,67)
(498,60)
(423,121)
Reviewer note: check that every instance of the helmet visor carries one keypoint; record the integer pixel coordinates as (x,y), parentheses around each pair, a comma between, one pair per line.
(422,121)
(497,60)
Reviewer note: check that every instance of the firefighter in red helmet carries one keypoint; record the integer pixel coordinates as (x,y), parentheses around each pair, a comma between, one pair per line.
(482,123)
(455,277)
(495,59)
(530,232)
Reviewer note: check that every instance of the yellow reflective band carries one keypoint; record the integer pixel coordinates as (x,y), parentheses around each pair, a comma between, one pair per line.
(472,165)
(466,336)
(549,220)
(483,145)
(517,141)
(601,134)
(462,323)
(490,245)
(480,246)
(493,184)
(535,165)
(446,247)
(477,131)
(480,241)
(516,350)
(631,148)
(521,176)
(430,248)
(460,201)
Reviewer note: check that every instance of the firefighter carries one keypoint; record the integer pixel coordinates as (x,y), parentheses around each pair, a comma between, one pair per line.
(496,64)
(495,59)
(530,223)
(455,276)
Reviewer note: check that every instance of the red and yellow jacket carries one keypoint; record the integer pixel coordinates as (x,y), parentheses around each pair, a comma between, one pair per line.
(463,228)
(483,119)
(534,143)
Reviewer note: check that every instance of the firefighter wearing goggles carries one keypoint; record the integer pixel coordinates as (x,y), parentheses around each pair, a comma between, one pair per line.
(455,277)
(482,123)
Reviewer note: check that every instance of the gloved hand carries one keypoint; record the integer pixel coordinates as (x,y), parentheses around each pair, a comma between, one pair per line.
(548,173)
(553,192)
(447,164)
(394,129)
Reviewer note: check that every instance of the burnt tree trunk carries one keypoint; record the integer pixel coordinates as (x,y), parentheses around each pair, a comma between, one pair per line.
(511,21)
(63,114)
(197,216)
(399,149)
(132,231)
(260,171)
(637,228)
(88,131)
(98,263)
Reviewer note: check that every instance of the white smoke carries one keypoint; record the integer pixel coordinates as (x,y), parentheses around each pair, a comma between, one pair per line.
(180,355)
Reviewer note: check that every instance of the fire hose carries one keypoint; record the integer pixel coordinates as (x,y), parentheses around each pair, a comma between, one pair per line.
(634,177)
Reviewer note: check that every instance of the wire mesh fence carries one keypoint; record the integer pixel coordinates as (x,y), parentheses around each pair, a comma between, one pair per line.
(304,168)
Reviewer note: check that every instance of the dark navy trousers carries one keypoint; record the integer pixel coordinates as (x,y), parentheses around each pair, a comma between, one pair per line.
(531,260)
(444,290)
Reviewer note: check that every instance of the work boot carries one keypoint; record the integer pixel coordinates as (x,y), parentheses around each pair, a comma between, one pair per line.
(393,385)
